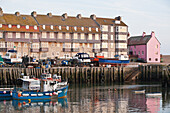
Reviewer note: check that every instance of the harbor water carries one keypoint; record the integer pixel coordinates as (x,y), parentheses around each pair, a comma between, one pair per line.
(104,98)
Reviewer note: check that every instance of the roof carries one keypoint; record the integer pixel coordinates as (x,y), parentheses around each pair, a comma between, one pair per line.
(70,21)
(109,21)
(139,40)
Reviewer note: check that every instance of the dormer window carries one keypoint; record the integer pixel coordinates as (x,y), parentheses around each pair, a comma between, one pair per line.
(82,28)
(0,25)
(52,27)
(59,27)
(18,26)
(97,29)
(67,27)
(43,26)
(27,26)
(75,28)
(89,28)
(10,26)
(35,27)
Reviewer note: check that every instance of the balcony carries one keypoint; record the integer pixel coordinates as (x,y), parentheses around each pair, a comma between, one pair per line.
(34,50)
(43,49)
(75,49)
(66,49)
(96,50)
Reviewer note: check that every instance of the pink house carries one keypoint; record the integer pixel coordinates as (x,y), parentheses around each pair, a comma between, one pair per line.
(146,47)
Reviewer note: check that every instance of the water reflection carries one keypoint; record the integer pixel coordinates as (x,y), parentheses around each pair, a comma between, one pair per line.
(97,99)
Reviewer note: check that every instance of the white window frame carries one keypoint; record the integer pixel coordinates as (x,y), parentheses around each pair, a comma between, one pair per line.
(44,35)
(27,26)
(35,36)
(27,35)
(10,35)
(51,34)
(18,35)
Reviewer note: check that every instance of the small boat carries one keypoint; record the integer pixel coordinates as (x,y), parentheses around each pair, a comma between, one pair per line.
(139,91)
(154,94)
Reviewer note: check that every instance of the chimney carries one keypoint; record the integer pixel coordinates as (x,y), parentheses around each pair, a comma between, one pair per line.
(34,13)
(64,15)
(79,16)
(118,18)
(152,34)
(49,14)
(1,12)
(144,34)
(17,13)
(93,17)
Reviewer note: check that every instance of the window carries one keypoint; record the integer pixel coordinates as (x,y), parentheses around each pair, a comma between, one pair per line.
(75,36)
(156,59)
(10,26)
(59,27)
(19,44)
(104,36)
(142,52)
(25,44)
(82,28)
(35,45)
(138,52)
(90,37)
(1,34)
(34,36)
(10,44)
(58,44)
(67,36)
(2,44)
(9,35)
(104,28)
(67,27)
(27,26)
(96,36)
(60,35)
(82,36)
(104,45)
(135,52)
(18,26)
(89,28)
(18,35)
(44,44)
(88,45)
(134,47)
(96,46)
(51,35)
(67,45)
(35,27)
(44,35)
(111,45)
(111,28)
(43,26)
(149,59)
(97,29)
(156,46)
(0,25)
(76,45)
(52,27)
(111,37)
(75,28)
(27,35)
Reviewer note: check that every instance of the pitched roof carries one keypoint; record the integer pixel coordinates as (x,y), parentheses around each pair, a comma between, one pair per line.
(109,21)
(70,21)
(138,40)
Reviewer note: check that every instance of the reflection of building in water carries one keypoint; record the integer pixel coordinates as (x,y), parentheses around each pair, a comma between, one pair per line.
(122,106)
(153,105)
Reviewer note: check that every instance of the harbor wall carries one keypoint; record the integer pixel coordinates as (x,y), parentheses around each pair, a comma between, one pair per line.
(79,75)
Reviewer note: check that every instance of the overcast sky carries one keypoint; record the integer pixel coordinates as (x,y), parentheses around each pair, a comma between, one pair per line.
(139,15)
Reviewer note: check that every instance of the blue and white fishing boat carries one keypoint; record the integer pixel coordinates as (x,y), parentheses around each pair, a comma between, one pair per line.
(44,88)
(5,92)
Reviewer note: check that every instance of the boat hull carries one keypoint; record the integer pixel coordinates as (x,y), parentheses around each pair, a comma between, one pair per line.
(62,93)
(5,94)
(25,95)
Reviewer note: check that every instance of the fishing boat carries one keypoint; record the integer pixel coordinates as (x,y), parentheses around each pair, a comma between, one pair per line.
(44,88)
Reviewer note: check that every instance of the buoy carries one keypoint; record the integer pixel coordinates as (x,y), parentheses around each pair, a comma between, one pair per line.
(24,103)
(29,100)
(19,94)
(19,104)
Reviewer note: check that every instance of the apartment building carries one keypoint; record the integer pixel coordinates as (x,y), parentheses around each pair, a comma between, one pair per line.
(43,36)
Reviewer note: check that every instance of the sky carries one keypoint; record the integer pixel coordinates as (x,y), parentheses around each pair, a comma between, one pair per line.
(140,15)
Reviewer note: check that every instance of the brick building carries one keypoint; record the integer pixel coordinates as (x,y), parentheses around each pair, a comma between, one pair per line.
(43,36)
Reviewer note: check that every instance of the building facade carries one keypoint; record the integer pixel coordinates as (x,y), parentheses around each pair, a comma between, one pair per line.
(51,36)
(146,47)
